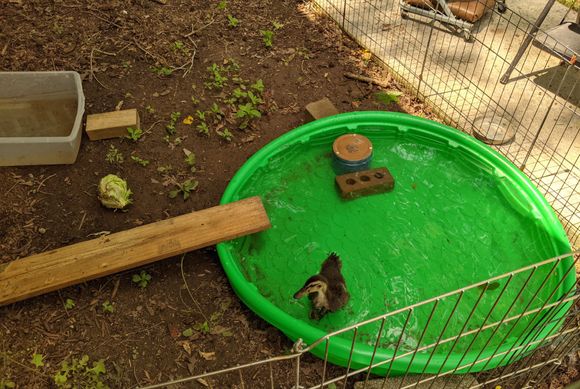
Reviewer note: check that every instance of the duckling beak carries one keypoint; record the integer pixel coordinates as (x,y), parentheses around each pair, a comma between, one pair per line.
(301,293)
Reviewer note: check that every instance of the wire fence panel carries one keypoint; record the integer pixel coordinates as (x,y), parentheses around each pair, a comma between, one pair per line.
(514,329)
(517,329)
(462,81)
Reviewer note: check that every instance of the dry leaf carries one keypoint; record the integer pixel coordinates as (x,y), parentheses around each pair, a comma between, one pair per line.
(203,382)
(173,331)
(186,346)
(207,356)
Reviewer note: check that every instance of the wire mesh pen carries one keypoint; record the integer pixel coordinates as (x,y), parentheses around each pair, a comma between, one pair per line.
(521,326)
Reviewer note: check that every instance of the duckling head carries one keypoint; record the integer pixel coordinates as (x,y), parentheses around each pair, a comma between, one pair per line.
(313,285)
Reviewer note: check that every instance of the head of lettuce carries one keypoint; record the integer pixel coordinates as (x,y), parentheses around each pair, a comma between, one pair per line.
(113,192)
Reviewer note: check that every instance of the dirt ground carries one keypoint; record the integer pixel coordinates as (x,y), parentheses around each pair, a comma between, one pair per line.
(155,57)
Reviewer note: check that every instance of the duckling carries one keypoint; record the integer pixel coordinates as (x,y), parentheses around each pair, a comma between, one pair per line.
(327,289)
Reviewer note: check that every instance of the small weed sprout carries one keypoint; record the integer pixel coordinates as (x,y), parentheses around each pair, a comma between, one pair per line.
(203,128)
(277,25)
(185,188)
(232,21)
(5,383)
(222,5)
(140,161)
(190,160)
(114,156)
(170,127)
(108,307)
(258,86)
(225,134)
(78,374)
(216,110)
(388,97)
(200,115)
(247,112)
(69,304)
(142,279)
(178,46)
(162,71)
(217,78)
(149,109)
(267,38)
(134,133)
(37,360)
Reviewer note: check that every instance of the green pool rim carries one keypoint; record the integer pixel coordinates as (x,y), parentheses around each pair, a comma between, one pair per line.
(339,348)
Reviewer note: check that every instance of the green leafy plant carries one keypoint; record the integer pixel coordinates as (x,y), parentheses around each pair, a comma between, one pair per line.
(267,38)
(114,156)
(200,115)
(277,25)
(178,46)
(142,279)
(187,332)
(165,169)
(78,374)
(254,100)
(140,161)
(203,128)
(202,327)
(170,127)
(190,159)
(163,71)
(37,360)
(217,78)
(5,383)
(222,5)
(247,112)
(108,307)
(134,133)
(258,86)
(388,97)
(69,304)
(216,110)
(149,109)
(225,134)
(185,188)
(232,21)
(194,100)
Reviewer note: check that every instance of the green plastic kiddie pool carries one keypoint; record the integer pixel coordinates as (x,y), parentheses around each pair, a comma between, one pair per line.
(459,213)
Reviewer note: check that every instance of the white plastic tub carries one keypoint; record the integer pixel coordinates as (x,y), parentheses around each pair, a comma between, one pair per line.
(40,117)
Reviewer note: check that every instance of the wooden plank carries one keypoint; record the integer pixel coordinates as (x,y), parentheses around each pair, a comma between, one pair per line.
(111,124)
(124,250)
(321,108)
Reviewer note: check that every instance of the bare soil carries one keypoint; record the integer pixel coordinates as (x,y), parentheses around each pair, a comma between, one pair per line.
(116,46)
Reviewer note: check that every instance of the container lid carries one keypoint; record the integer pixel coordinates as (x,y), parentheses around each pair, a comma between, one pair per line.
(352,147)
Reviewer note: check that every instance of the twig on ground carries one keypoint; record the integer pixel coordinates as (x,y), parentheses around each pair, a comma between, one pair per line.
(42,183)
(157,58)
(92,71)
(190,64)
(201,28)
(115,288)
(366,79)
(82,220)
(189,291)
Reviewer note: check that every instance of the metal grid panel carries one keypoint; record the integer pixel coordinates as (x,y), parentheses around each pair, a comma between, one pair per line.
(540,339)
(461,81)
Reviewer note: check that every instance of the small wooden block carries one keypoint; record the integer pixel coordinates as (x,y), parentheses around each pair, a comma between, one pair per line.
(111,124)
(365,182)
(321,108)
